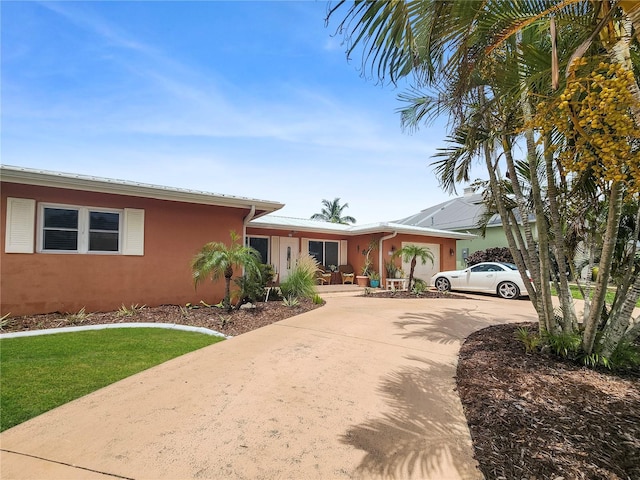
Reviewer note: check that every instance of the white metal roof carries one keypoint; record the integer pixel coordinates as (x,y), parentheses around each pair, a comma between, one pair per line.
(29,176)
(304,225)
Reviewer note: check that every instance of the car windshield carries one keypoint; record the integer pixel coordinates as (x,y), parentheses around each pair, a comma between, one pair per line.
(510,266)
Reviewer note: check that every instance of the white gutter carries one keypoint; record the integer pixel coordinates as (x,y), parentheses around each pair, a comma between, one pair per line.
(380,253)
(246,220)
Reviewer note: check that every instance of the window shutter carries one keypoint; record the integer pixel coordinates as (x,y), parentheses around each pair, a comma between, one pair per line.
(133,235)
(304,246)
(275,252)
(343,252)
(20,227)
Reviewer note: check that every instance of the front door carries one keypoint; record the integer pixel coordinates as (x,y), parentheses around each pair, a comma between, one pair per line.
(288,256)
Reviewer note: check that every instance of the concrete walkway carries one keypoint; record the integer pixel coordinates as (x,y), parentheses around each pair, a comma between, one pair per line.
(361,388)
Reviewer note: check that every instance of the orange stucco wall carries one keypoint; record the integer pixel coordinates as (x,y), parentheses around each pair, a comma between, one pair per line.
(174,232)
(356,244)
(447,261)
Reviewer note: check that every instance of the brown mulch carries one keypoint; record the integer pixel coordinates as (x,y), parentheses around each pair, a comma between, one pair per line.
(407,294)
(531,416)
(233,323)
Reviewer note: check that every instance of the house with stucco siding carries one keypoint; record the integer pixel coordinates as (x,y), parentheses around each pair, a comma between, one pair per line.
(73,241)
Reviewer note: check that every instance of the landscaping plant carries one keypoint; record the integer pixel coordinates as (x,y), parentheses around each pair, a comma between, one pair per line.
(301,282)
(410,254)
(557,81)
(217,259)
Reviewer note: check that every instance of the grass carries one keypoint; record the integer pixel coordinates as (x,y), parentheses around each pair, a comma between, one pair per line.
(42,372)
(575,293)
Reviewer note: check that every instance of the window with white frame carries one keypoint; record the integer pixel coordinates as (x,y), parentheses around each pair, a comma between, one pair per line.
(324,251)
(261,244)
(74,229)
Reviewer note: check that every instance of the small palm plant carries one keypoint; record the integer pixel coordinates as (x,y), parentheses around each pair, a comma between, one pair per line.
(411,253)
(217,259)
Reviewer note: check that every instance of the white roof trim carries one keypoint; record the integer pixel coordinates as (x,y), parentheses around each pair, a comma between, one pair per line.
(303,225)
(45,178)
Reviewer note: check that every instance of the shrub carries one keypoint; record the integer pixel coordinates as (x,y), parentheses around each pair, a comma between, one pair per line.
(290,302)
(125,311)
(78,318)
(626,355)
(566,345)
(301,282)
(419,286)
(529,339)
(252,284)
(317,300)
(497,254)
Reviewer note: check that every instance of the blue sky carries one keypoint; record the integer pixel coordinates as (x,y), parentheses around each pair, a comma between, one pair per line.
(252,99)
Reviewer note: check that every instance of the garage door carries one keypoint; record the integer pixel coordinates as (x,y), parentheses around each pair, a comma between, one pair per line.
(426,271)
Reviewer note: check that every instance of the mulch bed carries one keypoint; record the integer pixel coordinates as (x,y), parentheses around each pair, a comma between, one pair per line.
(407,294)
(530,416)
(533,416)
(233,323)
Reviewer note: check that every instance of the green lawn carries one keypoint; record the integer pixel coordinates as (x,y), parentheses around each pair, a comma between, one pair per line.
(576,294)
(40,373)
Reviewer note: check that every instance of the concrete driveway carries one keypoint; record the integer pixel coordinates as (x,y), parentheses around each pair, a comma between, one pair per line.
(361,388)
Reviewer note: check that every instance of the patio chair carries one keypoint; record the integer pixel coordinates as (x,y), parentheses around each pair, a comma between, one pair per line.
(323,277)
(347,273)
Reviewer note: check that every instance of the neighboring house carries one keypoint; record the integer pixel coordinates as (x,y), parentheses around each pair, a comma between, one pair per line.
(462,214)
(74,241)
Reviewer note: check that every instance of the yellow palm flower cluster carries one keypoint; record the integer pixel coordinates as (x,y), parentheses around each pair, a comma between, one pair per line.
(593,116)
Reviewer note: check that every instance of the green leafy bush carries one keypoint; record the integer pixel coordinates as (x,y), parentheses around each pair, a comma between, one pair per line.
(626,355)
(496,254)
(419,286)
(529,339)
(566,345)
(252,284)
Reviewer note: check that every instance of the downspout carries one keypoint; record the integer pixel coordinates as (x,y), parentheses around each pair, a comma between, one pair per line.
(247,219)
(380,259)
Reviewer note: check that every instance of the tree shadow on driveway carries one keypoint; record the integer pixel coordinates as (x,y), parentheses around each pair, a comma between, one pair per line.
(451,325)
(423,435)
(424,432)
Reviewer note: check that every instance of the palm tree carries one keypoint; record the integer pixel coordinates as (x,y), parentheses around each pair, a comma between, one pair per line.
(332,212)
(411,253)
(494,61)
(217,259)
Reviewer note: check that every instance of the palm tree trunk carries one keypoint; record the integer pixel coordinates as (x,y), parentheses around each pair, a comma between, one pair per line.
(619,322)
(228,273)
(545,306)
(414,261)
(569,319)
(604,270)
(531,259)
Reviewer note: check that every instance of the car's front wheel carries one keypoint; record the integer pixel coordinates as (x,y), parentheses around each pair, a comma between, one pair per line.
(508,290)
(442,284)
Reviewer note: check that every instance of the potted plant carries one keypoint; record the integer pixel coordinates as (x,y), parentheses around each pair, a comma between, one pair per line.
(390,268)
(374,279)
(363,279)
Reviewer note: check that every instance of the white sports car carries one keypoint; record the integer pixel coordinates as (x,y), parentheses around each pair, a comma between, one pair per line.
(491,277)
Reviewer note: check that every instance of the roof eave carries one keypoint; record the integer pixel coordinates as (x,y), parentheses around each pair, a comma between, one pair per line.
(103,185)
